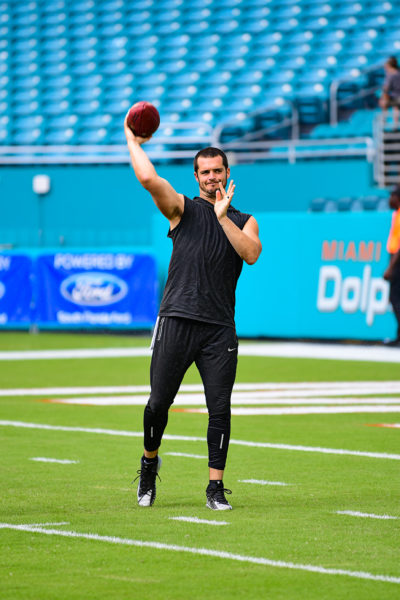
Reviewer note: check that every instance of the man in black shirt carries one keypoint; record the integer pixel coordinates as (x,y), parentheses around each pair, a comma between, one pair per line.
(196,318)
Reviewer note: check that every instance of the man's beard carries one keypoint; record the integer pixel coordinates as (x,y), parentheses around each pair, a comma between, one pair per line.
(212,195)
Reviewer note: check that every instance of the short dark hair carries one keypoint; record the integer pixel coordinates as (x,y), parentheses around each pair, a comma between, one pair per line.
(210,152)
(396,191)
(392,62)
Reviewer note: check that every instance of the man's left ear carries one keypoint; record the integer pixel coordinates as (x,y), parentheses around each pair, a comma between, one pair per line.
(228,172)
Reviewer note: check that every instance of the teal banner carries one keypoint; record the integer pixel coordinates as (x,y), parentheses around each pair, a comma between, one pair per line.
(319,276)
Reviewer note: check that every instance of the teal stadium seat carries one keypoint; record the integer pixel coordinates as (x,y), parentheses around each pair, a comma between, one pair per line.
(201,63)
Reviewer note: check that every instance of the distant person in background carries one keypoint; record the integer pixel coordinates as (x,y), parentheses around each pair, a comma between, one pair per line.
(391,89)
(392,273)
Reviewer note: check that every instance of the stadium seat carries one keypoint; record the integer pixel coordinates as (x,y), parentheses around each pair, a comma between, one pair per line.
(91,58)
(59,136)
(91,136)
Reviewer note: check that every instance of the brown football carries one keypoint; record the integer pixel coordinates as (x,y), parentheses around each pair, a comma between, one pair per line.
(143,119)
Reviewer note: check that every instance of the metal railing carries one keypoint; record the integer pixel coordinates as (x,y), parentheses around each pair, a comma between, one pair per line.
(240,151)
(334,101)
(110,153)
(291,121)
(167,146)
(293,150)
(387,155)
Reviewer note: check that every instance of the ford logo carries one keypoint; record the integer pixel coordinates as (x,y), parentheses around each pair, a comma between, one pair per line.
(2,289)
(93,289)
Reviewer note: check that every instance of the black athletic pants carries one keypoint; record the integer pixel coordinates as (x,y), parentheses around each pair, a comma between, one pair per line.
(177,343)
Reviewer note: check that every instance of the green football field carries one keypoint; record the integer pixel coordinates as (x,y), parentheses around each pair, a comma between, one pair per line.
(314,469)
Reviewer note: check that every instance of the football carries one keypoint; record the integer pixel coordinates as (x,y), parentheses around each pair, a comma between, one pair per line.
(143,119)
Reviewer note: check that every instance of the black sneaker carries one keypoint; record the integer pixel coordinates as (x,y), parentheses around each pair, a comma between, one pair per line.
(146,492)
(216,497)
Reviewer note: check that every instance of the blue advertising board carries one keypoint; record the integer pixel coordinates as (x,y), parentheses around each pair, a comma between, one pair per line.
(99,289)
(15,290)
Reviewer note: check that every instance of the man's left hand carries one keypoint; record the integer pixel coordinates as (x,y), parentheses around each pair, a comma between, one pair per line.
(223,198)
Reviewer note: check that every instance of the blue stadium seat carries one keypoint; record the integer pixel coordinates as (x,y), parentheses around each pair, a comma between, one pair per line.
(344,204)
(61,121)
(317,205)
(54,136)
(248,76)
(116,107)
(116,136)
(26,81)
(98,57)
(85,107)
(117,80)
(117,93)
(91,136)
(27,136)
(52,70)
(55,94)
(255,26)
(80,44)
(54,108)
(186,77)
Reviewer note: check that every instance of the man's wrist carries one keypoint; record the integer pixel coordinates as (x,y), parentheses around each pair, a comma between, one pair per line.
(223,219)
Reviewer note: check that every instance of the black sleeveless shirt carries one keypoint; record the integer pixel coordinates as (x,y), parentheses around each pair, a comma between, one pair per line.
(204,267)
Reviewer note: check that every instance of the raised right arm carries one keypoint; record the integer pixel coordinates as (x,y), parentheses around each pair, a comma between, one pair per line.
(167,200)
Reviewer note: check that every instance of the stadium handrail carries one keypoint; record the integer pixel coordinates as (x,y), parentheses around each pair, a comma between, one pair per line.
(334,101)
(241,151)
(292,149)
(292,122)
(387,151)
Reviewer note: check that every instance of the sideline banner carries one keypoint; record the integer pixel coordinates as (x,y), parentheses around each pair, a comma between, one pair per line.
(319,276)
(96,289)
(15,290)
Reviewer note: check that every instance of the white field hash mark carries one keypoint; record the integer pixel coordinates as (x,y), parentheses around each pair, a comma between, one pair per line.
(352,513)
(48,524)
(197,520)
(262,482)
(186,438)
(55,460)
(183,454)
(203,552)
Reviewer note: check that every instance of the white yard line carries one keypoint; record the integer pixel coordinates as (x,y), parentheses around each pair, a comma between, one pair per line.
(317,410)
(184,455)
(304,410)
(77,353)
(196,520)
(291,389)
(266,562)
(185,438)
(55,460)
(277,349)
(322,351)
(263,482)
(67,391)
(49,524)
(352,513)
(253,398)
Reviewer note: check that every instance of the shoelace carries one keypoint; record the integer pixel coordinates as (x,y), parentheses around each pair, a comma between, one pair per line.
(145,472)
(218,494)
